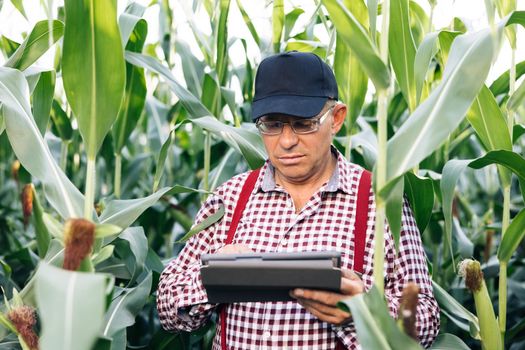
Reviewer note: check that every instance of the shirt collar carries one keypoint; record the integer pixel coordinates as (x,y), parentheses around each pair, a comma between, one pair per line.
(340,179)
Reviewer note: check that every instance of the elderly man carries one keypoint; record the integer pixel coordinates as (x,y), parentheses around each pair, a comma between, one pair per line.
(305,198)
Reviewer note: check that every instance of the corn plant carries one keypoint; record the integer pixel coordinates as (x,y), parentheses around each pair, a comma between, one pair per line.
(106,156)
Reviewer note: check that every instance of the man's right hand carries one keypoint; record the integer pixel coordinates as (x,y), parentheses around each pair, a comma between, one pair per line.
(234,249)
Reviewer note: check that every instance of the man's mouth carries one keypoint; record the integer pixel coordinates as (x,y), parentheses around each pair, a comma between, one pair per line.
(291,159)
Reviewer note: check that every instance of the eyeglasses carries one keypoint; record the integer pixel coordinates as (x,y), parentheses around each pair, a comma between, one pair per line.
(299,126)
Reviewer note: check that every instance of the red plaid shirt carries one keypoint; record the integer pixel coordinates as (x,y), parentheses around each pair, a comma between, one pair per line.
(270,224)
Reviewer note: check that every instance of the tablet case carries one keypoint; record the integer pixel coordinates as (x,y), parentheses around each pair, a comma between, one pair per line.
(268,276)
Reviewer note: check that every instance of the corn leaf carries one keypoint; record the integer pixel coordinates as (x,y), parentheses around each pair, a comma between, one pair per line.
(277,24)
(247,142)
(30,147)
(512,237)
(71,307)
(36,44)
(249,23)
(356,37)
(92,53)
(511,160)
(222,42)
(402,50)
(43,99)
(351,79)
(125,307)
(135,92)
(194,107)
(467,67)
(376,329)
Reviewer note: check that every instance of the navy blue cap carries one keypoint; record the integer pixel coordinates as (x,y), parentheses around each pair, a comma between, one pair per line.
(293,83)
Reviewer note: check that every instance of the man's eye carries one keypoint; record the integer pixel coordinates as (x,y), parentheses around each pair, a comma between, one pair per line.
(302,124)
(273,124)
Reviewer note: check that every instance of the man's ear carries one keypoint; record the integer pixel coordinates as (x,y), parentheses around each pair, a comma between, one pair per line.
(339,115)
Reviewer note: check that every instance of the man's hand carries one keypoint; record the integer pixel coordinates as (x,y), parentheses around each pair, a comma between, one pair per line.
(322,304)
(234,249)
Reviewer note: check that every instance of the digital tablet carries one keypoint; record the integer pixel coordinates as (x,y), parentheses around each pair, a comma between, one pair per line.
(248,277)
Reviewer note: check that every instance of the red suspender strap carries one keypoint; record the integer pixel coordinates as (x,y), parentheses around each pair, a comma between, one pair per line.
(246,191)
(361,218)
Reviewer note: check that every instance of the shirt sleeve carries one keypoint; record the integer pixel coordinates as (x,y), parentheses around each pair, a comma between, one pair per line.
(409,265)
(182,302)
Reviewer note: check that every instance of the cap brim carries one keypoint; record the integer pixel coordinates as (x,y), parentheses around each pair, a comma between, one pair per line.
(297,106)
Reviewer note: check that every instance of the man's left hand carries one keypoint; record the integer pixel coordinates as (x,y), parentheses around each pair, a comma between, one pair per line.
(323,304)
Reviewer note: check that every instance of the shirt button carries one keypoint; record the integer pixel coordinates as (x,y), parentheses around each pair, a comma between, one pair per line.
(284,242)
(267,335)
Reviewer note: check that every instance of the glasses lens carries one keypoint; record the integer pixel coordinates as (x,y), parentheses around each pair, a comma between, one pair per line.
(270,127)
(304,126)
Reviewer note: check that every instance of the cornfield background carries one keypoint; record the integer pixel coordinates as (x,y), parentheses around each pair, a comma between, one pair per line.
(132,135)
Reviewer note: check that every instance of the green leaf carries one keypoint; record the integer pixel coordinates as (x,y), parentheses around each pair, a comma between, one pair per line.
(106,230)
(210,220)
(211,95)
(42,234)
(129,20)
(351,79)
(517,132)
(289,21)
(192,68)
(192,104)
(125,307)
(501,84)
(19,5)
(376,329)
(221,65)
(8,46)
(43,98)
(394,207)
(450,305)
(31,149)
(248,143)
(105,253)
(451,172)
(136,244)
(61,122)
(512,237)
(36,44)
(431,123)
(420,192)
(511,160)
(159,170)
(133,32)
(277,24)
(402,50)
(71,306)
(447,341)
(123,212)
(93,52)
(356,37)
(517,99)
(425,52)
(249,23)
(490,125)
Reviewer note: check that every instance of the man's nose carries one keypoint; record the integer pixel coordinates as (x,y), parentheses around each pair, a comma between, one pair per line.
(288,138)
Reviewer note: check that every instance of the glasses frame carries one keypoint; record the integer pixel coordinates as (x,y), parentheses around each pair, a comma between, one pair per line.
(318,121)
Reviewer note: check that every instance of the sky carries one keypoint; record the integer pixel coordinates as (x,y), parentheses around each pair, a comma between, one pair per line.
(472,12)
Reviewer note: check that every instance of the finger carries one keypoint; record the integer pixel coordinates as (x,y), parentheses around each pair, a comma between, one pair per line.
(326,318)
(327,298)
(325,309)
(352,287)
(351,275)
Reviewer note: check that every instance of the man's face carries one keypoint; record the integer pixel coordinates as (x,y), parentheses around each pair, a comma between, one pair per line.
(299,157)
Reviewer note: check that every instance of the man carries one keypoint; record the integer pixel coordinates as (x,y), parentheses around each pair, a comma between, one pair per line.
(304,199)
